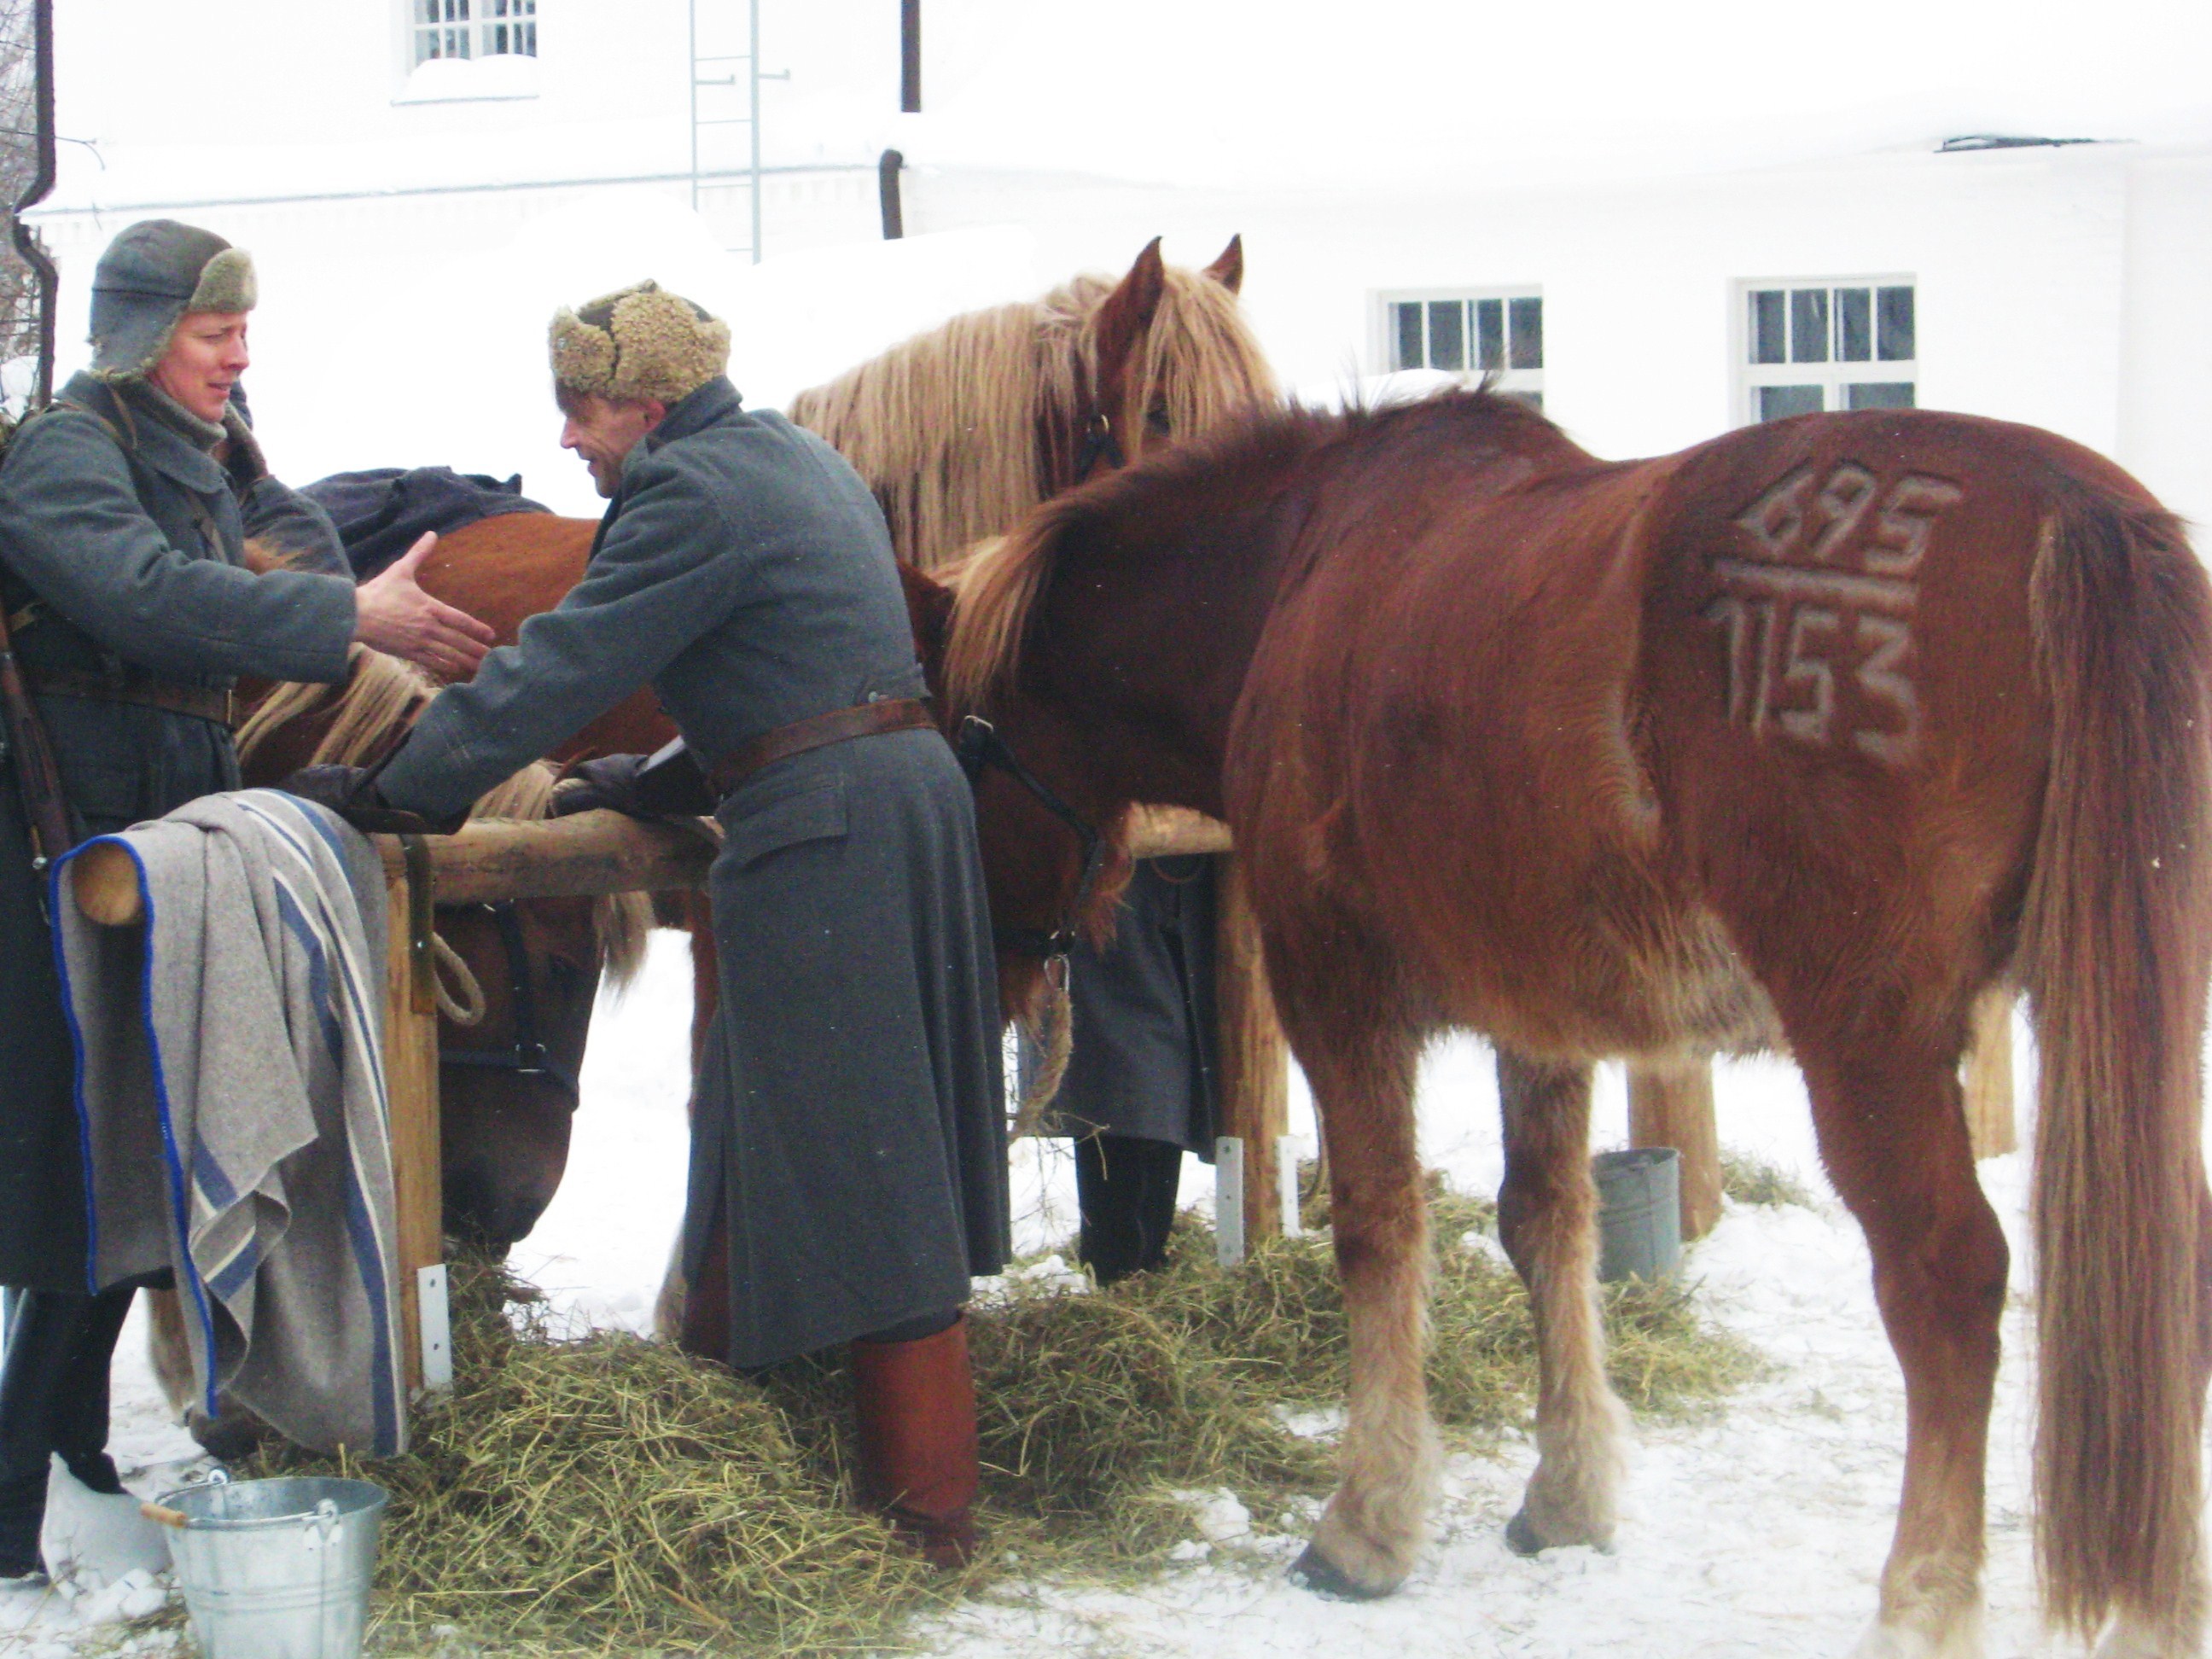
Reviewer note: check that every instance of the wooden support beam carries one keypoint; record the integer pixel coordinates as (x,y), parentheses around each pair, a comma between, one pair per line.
(1253,1057)
(410,1082)
(1987,1074)
(575,857)
(1670,1103)
(1159,832)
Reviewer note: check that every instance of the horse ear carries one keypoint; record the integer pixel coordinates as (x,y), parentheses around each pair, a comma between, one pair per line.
(929,615)
(1126,313)
(1229,268)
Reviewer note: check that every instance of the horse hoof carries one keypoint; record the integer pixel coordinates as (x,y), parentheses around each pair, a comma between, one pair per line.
(1521,1536)
(1314,1571)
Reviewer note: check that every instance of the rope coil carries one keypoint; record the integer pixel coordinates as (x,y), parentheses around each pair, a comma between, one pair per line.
(1053,1034)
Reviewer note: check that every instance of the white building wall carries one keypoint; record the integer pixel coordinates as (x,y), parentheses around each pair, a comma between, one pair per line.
(2064,287)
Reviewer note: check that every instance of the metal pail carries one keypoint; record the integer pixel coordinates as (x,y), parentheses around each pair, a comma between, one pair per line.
(1639,1207)
(278,1569)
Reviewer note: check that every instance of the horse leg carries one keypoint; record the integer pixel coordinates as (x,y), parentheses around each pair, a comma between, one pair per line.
(1546,1214)
(1892,1134)
(1363,1084)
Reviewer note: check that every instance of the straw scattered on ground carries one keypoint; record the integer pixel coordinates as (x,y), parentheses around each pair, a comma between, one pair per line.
(599,1493)
(1754,1180)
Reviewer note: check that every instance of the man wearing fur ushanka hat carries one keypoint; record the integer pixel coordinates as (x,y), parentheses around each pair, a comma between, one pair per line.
(124,576)
(848,1157)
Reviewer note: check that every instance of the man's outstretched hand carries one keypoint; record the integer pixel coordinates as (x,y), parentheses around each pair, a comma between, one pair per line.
(392,614)
(351,793)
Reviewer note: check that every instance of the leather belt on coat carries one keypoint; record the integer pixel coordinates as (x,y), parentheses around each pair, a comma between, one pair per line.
(838,726)
(206,702)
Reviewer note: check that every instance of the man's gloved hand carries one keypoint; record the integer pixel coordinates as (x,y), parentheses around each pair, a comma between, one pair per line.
(609,782)
(351,793)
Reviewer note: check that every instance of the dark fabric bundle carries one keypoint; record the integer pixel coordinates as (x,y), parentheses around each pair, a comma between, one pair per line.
(381,513)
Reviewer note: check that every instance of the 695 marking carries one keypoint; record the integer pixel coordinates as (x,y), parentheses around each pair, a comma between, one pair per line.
(1818,624)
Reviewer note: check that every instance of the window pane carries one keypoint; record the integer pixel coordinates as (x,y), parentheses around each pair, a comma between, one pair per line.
(1527,318)
(1893,342)
(1808,326)
(1447,334)
(1490,333)
(1766,326)
(1879,394)
(1776,401)
(1854,325)
(1405,337)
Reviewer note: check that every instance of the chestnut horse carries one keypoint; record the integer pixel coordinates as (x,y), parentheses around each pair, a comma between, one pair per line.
(1809,732)
(958,431)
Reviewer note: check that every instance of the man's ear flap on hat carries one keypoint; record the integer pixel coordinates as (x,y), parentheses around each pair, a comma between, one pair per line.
(226,283)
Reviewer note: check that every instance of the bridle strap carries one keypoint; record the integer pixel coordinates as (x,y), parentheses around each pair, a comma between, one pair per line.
(979,746)
(528,1057)
(1099,444)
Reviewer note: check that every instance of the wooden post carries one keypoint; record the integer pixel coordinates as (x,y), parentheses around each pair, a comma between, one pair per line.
(1670,1103)
(1254,1060)
(1987,1073)
(410,1081)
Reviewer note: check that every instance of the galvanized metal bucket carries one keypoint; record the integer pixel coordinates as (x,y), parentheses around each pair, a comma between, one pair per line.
(1639,1208)
(277,1569)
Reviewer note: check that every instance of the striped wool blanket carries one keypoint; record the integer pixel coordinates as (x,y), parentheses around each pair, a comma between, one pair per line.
(230,1089)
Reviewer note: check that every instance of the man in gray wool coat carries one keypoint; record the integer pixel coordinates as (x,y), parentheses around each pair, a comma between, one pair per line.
(123,573)
(848,1152)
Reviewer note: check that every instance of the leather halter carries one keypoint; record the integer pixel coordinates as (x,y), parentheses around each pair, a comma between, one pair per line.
(980,745)
(1099,444)
(528,1057)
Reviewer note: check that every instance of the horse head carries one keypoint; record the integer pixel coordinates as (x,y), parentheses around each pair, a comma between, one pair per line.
(507,1081)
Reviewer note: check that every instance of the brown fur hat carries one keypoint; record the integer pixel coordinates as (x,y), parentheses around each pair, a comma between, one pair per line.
(638,342)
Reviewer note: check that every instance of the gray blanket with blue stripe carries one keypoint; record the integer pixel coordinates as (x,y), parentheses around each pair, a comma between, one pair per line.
(230,1087)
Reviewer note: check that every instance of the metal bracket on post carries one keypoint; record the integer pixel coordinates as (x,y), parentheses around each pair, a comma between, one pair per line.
(437,1333)
(1229,1200)
(1290,1151)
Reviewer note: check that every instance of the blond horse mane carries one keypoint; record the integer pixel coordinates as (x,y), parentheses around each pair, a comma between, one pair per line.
(947,427)
(382,698)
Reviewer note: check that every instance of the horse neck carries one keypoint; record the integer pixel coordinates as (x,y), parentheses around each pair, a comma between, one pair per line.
(1141,644)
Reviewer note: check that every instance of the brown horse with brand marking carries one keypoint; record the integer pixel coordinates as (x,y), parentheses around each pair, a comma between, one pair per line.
(1810,733)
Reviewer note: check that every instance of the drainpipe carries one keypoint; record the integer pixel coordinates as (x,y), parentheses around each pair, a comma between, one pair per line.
(33,253)
(910,57)
(887,193)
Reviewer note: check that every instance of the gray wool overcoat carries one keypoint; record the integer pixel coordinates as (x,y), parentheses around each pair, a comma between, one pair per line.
(849,1121)
(1145,1016)
(119,555)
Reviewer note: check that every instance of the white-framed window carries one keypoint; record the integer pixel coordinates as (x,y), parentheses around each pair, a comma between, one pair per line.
(1468,330)
(1825,343)
(471,28)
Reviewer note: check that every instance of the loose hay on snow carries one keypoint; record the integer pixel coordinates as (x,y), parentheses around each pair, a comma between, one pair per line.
(603,1493)
(1749,1180)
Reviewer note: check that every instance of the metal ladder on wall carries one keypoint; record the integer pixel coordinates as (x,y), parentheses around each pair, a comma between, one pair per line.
(725,92)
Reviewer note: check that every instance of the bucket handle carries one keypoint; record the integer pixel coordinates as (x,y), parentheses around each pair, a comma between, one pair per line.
(216,1476)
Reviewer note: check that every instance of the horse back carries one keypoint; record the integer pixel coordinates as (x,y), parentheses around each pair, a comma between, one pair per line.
(1586,747)
(504,570)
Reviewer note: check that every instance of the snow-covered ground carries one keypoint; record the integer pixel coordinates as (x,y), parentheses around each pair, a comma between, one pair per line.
(1759,1531)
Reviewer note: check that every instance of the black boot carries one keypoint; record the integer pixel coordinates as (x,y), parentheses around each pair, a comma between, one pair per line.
(1125,1191)
(53,1398)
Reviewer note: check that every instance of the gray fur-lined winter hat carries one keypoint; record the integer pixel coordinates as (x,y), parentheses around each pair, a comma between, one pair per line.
(638,342)
(151,274)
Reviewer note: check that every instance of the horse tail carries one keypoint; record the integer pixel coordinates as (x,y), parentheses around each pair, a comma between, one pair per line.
(2114,947)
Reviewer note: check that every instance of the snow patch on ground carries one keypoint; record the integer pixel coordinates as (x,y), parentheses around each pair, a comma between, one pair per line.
(1758,1530)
